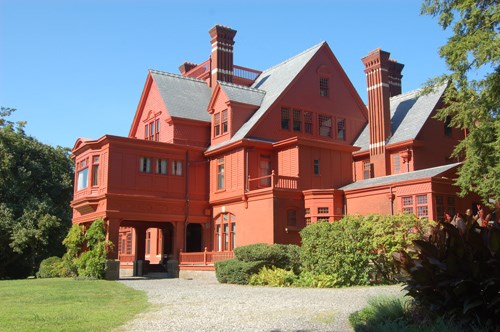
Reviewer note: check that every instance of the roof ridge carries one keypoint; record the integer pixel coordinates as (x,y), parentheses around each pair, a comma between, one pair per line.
(417,92)
(159,72)
(295,56)
(242,87)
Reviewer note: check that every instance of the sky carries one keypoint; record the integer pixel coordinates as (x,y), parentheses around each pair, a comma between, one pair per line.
(77,68)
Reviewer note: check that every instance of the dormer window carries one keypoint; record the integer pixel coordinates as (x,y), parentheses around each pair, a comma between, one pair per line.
(220,123)
(152,130)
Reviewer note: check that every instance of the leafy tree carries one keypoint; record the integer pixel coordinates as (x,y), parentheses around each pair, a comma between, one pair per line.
(472,55)
(36,185)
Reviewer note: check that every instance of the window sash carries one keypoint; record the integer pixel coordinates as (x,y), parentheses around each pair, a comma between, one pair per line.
(285,119)
(177,167)
(220,174)
(297,120)
(83,180)
(308,122)
(325,125)
(145,165)
(323,87)
(341,129)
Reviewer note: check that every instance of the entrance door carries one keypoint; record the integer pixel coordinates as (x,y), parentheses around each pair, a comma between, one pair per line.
(194,238)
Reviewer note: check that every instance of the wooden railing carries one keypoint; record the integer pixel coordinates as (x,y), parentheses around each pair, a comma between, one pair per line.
(274,181)
(126,258)
(249,74)
(204,258)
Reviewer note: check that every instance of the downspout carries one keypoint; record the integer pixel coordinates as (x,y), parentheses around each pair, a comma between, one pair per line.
(186,200)
(391,198)
(246,169)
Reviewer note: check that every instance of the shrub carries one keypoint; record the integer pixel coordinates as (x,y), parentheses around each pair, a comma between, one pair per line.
(457,276)
(274,277)
(52,267)
(234,271)
(322,280)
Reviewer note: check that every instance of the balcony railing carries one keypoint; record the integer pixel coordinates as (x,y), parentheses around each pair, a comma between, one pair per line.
(207,258)
(249,74)
(273,181)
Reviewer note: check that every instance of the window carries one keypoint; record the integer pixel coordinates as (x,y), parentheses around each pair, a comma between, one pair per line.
(265,171)
(323,87)
(440,207)
(308,122)
(217,124)
(325,125)
(308,221)
(323,210)
(95,171)
(220,173)
(224,122)
(396,166)
(152,130)
(285,119)
(129,243)
(225,232)
(316,166)
(157,130)
(407,204)
(146,131)
(297,120)
(83,179)
(451,205)
(145,165)
(291,218)
(341,129)
(447,126)
(367,170)
(176,167)
(307,211)
(161,166)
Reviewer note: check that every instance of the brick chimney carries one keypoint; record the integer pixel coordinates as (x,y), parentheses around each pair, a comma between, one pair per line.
(186,66)
(222,54)
(383,77)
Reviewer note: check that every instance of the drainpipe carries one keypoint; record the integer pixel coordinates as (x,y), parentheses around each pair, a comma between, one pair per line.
(186,199)
(246,169)
(392,200)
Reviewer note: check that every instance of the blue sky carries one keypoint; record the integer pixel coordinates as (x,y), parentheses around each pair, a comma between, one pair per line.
(77,68)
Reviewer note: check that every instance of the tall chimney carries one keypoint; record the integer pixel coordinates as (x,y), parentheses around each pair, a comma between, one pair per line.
(222,54)
(379,114)
(395,69)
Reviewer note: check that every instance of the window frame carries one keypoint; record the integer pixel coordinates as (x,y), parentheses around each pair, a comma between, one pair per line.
(221,178)
(95,171)
(341,128)
(324,90)
(225,232)
(322,119)
(285,118)
(176,168)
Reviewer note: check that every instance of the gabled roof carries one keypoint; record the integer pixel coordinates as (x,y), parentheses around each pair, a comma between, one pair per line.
(273,82)
(415,175)
(184,97)
(409,111)
(242,94)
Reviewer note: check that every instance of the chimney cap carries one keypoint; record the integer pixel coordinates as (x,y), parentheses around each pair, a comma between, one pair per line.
(220,30)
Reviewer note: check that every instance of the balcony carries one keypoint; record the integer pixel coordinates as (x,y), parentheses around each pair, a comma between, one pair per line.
(273,181)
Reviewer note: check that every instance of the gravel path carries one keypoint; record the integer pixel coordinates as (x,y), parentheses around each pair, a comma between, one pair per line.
(191,305)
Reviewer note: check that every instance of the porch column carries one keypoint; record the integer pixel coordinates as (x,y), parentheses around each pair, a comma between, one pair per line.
(179,238)
(112,234)
(140,242)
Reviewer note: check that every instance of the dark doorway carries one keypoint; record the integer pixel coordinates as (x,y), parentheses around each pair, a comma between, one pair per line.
(194,238)
(168,239)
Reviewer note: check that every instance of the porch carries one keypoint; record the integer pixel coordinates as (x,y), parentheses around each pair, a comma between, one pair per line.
(202,261)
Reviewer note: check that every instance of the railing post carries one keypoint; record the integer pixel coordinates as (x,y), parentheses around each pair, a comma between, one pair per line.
(248,182)
(272,179)
(205,256)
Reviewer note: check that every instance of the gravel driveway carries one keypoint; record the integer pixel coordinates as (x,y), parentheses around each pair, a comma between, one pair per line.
(192,305)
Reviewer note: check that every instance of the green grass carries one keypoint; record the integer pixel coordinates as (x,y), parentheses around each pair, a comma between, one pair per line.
(67,305)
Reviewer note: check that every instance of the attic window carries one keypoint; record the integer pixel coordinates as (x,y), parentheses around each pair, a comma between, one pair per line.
(220,123)
(285,119)
(323,87)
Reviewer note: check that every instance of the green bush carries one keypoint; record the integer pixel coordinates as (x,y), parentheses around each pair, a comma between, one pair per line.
(457,276)
(358,250)
(322,280)
(274,277)
(52,267)
(284,256)
(234,271)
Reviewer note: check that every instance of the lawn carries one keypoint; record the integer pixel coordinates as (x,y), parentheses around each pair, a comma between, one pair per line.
(67,305)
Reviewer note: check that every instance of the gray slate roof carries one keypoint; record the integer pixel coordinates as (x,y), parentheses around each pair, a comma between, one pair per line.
(409,111)
(242,94)
(415,175)
(184,97)
(273,82)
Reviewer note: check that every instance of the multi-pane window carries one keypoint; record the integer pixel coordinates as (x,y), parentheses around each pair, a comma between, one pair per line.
(323,210)
(396,165)
(291,217)
(285,119)
(308,221)
(316,167)
(152,130)
(145,165)
(308,122)
(95,171)
(224,125)
(367,170)
(161,166)
(176,167)
(148,242)
(157,130)
(451,205)
(407,204)
(83,175)
(297,120)
(225,232)
(440,207)
(325,125)
(341,129)
(323,87)
(217,124)
(220,173)
(422,209)
(307,211)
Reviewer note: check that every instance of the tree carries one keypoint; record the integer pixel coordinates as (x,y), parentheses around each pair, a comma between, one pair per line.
(36,185)
(472,55)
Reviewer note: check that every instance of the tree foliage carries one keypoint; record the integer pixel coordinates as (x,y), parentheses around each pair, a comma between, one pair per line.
(36,184)
(472,55)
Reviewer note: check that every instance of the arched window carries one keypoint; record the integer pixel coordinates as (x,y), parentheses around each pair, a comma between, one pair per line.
(225,232)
